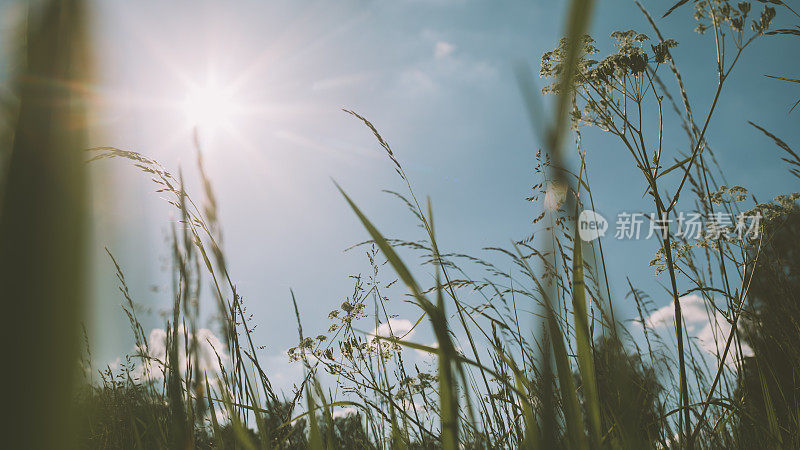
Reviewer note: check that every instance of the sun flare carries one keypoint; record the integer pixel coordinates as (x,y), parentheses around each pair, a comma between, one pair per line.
(210,108)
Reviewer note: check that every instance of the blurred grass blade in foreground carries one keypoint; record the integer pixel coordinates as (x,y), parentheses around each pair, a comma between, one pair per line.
(42,225)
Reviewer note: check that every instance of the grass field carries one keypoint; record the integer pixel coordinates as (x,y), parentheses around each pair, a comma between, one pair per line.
(540,361)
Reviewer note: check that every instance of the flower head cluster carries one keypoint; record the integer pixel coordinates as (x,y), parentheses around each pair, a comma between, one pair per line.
(602,85)
(680,252)
(733,16)
(728,195)
(553,63)
(629,59)
(777,209)
(415,385)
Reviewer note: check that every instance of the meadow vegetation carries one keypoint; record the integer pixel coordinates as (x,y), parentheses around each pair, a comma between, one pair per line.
(531,357)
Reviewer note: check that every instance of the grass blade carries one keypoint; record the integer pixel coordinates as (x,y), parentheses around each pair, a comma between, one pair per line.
(583,341)
(572,411)
(446,350)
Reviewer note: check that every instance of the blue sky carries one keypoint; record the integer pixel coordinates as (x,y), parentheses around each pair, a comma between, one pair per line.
(435,76)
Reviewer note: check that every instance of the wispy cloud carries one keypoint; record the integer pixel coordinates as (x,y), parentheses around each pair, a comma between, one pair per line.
(210,354)
(401,328)
(703,322)
(283,373)
(344,412)
(443,49)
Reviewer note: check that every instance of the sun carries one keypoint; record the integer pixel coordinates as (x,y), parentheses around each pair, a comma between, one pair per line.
(210,108)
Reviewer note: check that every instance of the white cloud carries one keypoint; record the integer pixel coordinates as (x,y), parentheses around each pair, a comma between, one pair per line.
(210,352)
(693,310)
(446,69)
(709,326)
(713,337)
(344,412)
(283,373)
(442,49)
(413,405)
(401,328)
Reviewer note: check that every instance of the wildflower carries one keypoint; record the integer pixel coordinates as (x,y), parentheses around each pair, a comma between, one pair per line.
(661,50)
